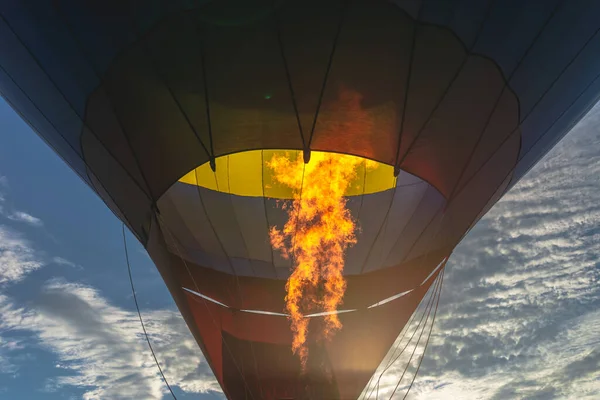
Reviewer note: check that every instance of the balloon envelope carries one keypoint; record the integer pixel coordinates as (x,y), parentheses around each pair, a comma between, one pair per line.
(170,110)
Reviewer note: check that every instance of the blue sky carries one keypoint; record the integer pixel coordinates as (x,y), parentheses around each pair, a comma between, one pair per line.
(518,318)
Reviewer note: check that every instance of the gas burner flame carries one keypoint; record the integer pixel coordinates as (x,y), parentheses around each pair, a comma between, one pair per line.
(315,237)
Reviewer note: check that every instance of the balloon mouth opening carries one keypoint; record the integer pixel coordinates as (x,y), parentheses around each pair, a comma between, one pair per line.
(248,174)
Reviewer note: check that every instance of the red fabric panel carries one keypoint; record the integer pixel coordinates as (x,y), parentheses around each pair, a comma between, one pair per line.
(207,316)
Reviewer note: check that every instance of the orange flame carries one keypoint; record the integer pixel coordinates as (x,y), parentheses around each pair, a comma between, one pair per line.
(318,231)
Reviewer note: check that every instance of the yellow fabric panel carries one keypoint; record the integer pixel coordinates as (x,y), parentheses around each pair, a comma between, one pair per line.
(221,174)
(380,178)
(247,174)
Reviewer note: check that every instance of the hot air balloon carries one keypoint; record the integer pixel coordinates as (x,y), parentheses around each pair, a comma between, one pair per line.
(173,112)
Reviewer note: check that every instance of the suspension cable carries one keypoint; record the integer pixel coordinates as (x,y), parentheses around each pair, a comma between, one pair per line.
(137,307)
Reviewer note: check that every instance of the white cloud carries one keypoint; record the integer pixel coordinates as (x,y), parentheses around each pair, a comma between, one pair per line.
(65,262)
(518,316)
(9,212)
(21,216)
(102,346)
(17,257)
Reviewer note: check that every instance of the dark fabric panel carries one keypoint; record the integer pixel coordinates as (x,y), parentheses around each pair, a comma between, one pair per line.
(428,240)
(187,242)
(548,137)
(502,123)
(406,200)
(182,202)
(18,63)
(220,211)
(468,202)
(104,123)
(370,222)
(104,26)
(571,84)
(465,18)
(439,12)
(41,28)
(428,206)
(411,7)
(444,146)
(561,41)
(250,215)
(133,203)
(510,29)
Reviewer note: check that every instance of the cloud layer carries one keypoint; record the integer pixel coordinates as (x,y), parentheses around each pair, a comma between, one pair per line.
(101,348)
(17,257)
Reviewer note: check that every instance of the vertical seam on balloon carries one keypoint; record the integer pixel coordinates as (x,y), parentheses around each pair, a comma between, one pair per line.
(499,98)
(206,93)
(328,69)
(80,47)
(210,223)
(288,75)
(407,84)
(448,87)
(262,156)
(379,230)
(230,195)
(68,102)
(418,238)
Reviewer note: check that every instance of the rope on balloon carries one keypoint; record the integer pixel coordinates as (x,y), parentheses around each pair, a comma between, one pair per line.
(436,295)
(137,307)
(428,337)
(395,356)
(432,300)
